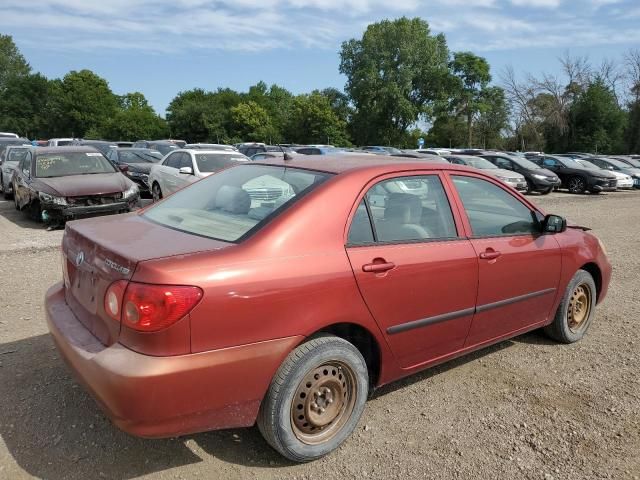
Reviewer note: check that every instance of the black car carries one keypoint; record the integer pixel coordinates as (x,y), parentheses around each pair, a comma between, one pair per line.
(162,146)
(65,183)
(538,179)
(135,163)
(576,177)
(103,146)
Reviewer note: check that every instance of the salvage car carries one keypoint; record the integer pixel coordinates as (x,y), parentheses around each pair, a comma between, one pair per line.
(538,179)
(218,309)
(623,181)
(8,163)
(183,167)
(56,184)
(137,163)
(576,177)
(509,177)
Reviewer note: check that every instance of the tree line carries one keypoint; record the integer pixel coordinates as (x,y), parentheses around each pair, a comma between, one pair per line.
(403,83)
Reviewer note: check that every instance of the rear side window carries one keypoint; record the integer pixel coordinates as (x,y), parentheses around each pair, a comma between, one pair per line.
(406,209)
(213,162)
(236,202)
(492,211)
(361,232)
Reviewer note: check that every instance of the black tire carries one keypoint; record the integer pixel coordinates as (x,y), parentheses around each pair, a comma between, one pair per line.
(277,421)
(547,191)
(156,192)
(563,329)
(576,184)
(530,188)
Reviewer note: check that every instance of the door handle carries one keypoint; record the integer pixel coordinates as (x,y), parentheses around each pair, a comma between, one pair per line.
(378,267)
(490,254)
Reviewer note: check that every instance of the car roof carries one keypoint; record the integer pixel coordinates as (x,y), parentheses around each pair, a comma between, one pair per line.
(209,150)
(340,163)
(65,149)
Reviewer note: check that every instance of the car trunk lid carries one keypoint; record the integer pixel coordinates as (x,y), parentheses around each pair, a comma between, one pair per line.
(100,251)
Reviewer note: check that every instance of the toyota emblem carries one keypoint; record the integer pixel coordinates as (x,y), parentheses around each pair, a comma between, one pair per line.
(79,258)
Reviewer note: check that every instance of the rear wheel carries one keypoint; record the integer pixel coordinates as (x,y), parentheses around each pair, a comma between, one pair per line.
(576,310)
(576,185)
(156,193)
(315,399)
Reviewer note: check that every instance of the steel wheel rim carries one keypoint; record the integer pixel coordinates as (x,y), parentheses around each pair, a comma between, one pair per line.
(579,307)
(323,402)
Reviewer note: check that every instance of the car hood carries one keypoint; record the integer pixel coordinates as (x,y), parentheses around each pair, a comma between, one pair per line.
(140,167)
(82,185)
(504,173)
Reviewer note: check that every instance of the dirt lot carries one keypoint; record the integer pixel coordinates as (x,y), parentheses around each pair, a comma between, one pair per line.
(527,408)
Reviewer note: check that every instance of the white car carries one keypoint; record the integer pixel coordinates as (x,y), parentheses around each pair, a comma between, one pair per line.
(8,135)
(183,167)
(60,142)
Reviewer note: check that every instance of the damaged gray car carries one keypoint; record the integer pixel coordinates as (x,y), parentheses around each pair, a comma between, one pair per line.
(56,184)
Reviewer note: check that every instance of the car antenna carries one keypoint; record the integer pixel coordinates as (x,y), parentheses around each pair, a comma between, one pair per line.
(285,155)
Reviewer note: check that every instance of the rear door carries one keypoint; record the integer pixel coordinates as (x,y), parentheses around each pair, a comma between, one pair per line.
(416,272)
(519,267)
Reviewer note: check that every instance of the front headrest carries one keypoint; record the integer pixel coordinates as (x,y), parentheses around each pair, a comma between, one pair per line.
(403,208)
(233,200)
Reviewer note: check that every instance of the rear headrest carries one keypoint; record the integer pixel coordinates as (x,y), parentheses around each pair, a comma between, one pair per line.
(233,200)
(403,208)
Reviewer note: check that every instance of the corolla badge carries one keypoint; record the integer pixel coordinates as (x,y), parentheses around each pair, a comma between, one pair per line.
(79,258)
(118,268)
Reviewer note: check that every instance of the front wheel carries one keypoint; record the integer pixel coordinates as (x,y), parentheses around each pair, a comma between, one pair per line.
(576,185)
(315,399)
(156,193)
(576,310)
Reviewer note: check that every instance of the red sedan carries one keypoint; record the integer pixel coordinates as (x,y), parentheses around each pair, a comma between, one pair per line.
(282,293)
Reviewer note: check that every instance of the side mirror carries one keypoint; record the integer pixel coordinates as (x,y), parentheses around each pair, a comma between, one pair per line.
(123,167)
(554,224)
(186,171)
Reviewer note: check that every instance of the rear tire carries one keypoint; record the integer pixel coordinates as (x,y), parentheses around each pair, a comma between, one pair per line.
(576,311)
(315,399)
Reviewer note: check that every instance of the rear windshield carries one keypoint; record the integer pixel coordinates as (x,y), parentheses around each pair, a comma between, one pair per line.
(481,163)
(163,148)
(140,156)
(235,202)
(213,162)
(16,154)
(71,163)
(524,163)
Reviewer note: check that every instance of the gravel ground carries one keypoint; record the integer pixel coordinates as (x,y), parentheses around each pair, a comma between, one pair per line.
(526,408)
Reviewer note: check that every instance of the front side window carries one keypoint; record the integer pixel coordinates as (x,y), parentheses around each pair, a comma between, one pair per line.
(550,162)
(71,163)
(235,202)
(503,163)
(410,209)
(173,160)
(492,211)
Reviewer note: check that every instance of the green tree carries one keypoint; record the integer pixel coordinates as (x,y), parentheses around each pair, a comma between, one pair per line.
(313,120)
(252,122)
(12,63)
(493,117)
(23,104)
(135,120)
(472,75)
(447,131)
(599,122)
(395,74)
(82,102)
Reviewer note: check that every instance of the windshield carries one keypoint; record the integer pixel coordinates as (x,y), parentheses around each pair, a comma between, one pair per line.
(571,163)
(139,156)
(481,163)
(524,163)
(616,163)
(632,162)
(50,165)
(588,164)
(235,202)
(15,155)
(392,150)
(213,162)
(163,148)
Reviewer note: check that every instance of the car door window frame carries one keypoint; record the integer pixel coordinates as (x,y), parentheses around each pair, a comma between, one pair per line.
(458,221)
(536,215)
(173,156)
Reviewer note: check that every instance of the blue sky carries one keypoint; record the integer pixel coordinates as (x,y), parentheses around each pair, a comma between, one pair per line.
(161,47)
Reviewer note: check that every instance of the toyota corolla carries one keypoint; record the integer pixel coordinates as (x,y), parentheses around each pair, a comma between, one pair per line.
(223,307)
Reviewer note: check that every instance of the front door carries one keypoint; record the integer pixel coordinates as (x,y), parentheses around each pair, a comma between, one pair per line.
(416,273)
(519,267)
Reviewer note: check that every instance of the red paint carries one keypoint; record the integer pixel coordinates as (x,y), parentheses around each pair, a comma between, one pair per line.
(295,277)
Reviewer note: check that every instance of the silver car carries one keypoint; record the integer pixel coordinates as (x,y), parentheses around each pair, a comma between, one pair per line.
(509,177)
(8,163)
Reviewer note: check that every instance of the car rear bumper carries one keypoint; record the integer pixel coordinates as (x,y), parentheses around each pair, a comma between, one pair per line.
(166,396)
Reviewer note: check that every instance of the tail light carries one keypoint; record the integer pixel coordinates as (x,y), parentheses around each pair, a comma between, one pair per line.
(149,308)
